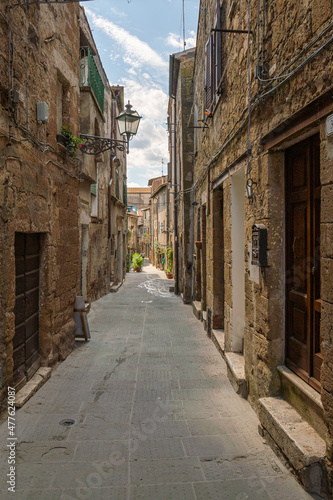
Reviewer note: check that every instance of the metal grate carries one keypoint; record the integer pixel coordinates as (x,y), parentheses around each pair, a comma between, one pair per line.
(90,77)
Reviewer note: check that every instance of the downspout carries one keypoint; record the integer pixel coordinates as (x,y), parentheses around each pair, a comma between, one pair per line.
(175,213)
(111,170)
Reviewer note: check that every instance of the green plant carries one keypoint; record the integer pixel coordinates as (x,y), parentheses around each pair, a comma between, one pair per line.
(72,143)
(169,253)
(137,261)
(128,263)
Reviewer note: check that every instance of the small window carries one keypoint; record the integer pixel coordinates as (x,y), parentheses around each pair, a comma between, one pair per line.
(94,198)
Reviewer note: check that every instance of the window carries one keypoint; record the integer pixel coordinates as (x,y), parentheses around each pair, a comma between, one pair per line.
(213,65)
(63,102)
(94,198)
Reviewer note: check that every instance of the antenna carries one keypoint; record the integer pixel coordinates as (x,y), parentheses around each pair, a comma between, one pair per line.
(184,40)
(162,166)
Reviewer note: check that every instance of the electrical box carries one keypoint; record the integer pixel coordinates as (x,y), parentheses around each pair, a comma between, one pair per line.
(259,245)
(18,97)
(42,112)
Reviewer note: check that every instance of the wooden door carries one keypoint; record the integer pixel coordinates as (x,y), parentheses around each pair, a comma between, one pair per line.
(303,304)
(26,341)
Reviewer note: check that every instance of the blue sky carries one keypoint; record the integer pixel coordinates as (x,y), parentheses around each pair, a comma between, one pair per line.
(134,39)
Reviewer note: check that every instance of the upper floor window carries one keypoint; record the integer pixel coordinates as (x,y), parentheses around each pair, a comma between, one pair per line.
(90,77)
(213,65)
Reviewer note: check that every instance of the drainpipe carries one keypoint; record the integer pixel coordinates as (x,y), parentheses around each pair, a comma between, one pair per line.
(111,169)
(175,182)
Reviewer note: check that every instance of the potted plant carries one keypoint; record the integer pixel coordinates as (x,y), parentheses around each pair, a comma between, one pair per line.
(71,143)
(198,244)
(169,274)
(137,262)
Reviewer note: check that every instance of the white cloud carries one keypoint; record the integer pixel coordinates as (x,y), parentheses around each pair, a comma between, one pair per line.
(147,97)
(176,41)
(135,52)
(133,185)
(146,152)
(191,40)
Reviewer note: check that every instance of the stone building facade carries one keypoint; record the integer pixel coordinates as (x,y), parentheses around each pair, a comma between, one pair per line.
(62,213)
(262,188)
(139,197)
(103,176)
(159,220)
(39,186)
(180,175)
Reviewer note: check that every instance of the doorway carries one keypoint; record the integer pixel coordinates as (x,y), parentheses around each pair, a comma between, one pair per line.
(238,259)
(303,302)
(26,339)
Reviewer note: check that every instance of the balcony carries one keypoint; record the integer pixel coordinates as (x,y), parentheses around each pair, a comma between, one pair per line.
(90,77)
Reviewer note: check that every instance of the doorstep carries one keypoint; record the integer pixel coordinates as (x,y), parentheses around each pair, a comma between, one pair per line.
(115,288)
(218,337)
(305,399)
(236,372)
(196,305)
(290,435)
(31,387)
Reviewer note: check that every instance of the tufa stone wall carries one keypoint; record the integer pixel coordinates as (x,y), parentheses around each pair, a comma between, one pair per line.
(38,180)
(294,37)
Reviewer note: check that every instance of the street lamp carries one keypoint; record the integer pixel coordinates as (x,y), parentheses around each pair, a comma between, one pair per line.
(128,123)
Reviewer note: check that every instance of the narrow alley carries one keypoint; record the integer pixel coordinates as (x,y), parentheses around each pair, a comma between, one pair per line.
(151,418)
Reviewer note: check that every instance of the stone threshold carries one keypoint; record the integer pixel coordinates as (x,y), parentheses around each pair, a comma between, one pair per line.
(296,441)
(31,387)
(236,372)
(235,361)
(305,399)
(115,288)
(196,309)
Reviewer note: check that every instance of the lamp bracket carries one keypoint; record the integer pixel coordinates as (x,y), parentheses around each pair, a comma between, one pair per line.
(94,145)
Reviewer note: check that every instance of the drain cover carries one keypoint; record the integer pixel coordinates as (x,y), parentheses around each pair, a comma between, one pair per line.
(67,422)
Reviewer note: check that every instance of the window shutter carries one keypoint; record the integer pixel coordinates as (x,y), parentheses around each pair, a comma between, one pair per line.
(208,74)
(93,189)
(218,51)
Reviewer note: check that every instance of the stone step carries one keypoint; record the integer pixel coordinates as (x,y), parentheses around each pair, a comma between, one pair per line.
(196,309)
(236,372)
(38,380)
(303,398)
(286,430)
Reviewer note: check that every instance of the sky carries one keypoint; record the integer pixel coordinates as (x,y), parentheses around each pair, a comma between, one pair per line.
(134,39)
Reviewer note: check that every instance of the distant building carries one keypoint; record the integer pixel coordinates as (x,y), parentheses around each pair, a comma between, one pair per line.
(181,136)
(159,220)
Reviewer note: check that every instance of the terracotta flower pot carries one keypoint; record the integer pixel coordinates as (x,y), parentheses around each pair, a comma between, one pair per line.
(198,244)
(169,276)
(137,269)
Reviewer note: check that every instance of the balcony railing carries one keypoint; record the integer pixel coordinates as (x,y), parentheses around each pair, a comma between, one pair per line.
(90,77)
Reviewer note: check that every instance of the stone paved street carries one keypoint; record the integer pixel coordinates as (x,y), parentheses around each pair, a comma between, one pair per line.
(155,415)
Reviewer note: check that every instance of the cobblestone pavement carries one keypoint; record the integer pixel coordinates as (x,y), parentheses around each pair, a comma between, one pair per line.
(155,415)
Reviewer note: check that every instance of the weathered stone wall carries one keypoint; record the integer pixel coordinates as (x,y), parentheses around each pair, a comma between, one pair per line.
(294,36)
(184,101)
(38,181)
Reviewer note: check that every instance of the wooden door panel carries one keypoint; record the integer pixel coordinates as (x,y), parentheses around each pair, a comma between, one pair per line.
(299,324)
(26,338)
(303,342)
